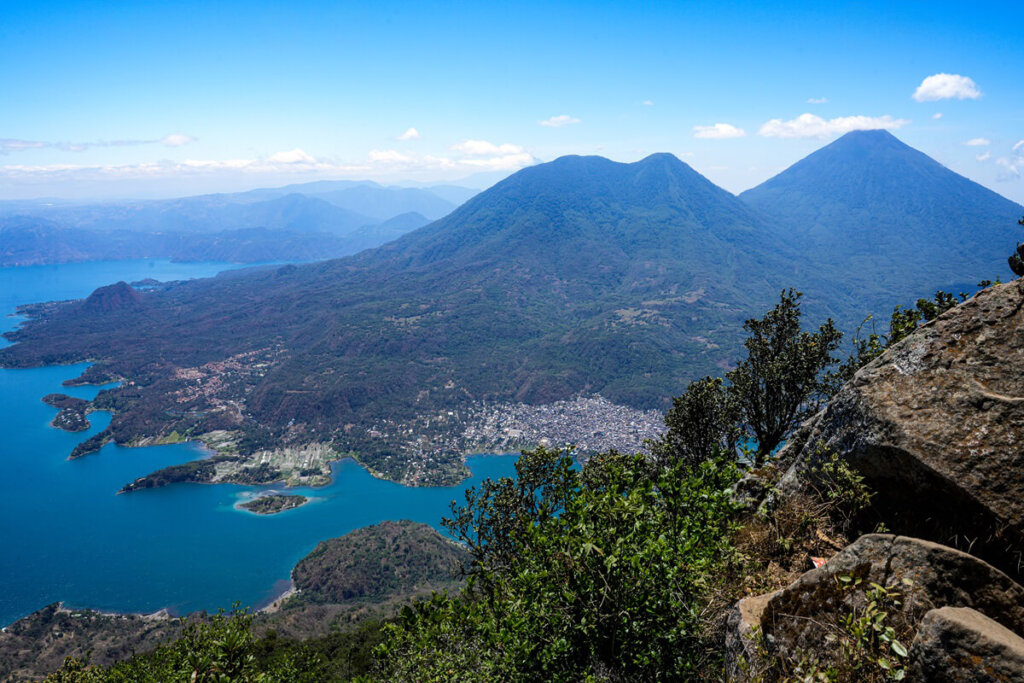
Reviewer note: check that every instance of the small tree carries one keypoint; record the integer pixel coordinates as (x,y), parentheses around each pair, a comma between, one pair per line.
(781,380)
(1017,257)
(701,422)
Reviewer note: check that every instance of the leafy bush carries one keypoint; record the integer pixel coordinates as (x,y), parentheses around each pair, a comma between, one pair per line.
(1016,259)
(576,574)
(224,650)
(781,381)
(702,421)
(865,644)
(838,486)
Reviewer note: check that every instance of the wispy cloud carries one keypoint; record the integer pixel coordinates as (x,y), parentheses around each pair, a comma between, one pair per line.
(467,156)
(983,157)
(559,121)
(647,103)
(410,134)
(817,100)
(487,155)
(936,116)
(177,140)
(9,145)
(946,87)
(978,142)
(483,147)
(294,156)
(719,131)
(812,126)
(1013,165)
(388,156)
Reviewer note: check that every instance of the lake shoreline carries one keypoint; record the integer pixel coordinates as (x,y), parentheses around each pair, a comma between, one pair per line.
(182,549)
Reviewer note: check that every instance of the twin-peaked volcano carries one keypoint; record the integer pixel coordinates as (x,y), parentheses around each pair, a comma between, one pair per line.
(578,276)
(591,224)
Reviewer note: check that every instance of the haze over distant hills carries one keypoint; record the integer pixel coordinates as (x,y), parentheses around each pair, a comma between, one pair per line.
(311,221)
(581,275)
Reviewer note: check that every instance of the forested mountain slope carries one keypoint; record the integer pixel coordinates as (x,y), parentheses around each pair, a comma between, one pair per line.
(581,275)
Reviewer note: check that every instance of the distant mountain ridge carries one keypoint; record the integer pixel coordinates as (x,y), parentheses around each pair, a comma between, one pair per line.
(312,221)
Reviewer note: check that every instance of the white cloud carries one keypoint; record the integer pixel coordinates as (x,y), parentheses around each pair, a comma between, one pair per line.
(482,148)
(647,103)
(468,156)
(411,134)
(388,155)
(936,116)
(294,156)
(8,145)
(212,164)
(487,155)
(719,131)
(946,87)
(177,140)
(471,155)
(978,142)
(559,121)
(1013,164)
(984,157)
(811,126)
(507,162)
(817,100)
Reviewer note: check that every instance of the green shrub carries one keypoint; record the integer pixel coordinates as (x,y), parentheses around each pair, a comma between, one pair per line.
(577,574)
(223,650)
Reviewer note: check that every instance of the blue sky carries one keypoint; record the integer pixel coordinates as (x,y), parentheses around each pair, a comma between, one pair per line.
(158,99)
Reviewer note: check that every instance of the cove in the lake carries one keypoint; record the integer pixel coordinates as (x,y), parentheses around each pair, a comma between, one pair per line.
(66,535)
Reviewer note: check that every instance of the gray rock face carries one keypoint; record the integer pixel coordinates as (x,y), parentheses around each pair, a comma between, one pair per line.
(743,628)
(803,616)
(960,645)
(936,426)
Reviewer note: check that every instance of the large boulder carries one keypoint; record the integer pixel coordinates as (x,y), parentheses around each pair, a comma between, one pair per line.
(920,576)
(960,645)
(936,426)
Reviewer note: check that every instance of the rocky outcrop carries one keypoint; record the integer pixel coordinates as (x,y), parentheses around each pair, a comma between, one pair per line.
(936,426)
(920,576)
(960,645)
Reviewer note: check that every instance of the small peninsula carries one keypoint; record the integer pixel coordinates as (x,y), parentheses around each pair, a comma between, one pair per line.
(72,415)
(273,503)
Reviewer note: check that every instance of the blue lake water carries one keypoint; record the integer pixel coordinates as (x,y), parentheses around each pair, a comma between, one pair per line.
(66,535)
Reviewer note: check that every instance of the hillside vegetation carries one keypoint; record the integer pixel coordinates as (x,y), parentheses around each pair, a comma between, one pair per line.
(379,562)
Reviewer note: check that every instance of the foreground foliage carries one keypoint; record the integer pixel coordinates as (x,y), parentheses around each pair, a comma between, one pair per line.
(593,573)
(1016,259)
(227,650)
(784,378)
(781,382)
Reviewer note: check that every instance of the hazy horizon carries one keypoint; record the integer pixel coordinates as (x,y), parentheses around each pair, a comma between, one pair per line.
(165,101)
